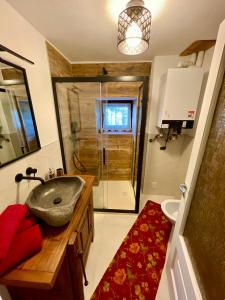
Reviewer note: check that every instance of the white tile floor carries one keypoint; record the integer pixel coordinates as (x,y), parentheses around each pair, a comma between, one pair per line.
(114,194)
(110,230)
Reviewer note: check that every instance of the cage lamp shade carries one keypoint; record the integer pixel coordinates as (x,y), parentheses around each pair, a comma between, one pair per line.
(134,25)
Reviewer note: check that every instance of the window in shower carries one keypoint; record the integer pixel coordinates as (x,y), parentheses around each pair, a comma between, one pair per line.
(117,116)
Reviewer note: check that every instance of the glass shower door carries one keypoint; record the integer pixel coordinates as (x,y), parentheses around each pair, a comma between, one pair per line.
(99,125)
(79,119)
(119,125)
(104,144)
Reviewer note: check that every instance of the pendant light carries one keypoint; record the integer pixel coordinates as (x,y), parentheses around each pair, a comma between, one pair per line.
(134,26)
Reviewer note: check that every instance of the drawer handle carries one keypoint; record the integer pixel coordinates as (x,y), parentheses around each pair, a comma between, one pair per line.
(80,255)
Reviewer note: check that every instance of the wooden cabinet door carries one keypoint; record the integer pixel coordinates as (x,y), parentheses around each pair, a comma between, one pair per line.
(85,230)
(76,275)
(91,216)
(64,288)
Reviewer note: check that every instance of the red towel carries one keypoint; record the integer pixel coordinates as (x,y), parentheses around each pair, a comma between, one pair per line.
(23,246)
(10,220)
(28,222)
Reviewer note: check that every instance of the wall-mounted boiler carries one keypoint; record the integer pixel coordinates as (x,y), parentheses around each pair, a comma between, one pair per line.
(180,92)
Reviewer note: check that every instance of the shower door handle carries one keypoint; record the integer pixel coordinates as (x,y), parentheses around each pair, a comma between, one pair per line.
(103,155)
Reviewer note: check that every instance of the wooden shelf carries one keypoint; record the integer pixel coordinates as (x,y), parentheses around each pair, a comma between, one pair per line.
(201,45)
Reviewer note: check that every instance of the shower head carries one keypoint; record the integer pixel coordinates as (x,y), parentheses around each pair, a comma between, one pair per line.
(74,89)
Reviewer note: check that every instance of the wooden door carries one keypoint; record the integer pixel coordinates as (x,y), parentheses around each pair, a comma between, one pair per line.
(180,271)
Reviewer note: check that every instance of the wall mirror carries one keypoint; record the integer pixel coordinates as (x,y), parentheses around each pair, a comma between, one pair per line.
(18,131)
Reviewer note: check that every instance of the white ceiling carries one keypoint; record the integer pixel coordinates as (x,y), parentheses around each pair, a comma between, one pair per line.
(86,30)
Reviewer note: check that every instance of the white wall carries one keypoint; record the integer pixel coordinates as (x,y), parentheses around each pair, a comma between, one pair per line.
(17,34)
(164,170)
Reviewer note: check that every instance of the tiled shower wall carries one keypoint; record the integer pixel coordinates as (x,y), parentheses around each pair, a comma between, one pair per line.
(205,227)
(89,143)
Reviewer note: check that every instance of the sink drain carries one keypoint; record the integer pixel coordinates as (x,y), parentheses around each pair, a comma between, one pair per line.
(57,200)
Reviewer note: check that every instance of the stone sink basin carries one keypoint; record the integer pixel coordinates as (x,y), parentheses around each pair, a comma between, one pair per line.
(54,201)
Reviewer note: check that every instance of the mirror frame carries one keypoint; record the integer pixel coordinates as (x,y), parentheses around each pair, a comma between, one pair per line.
(31,110)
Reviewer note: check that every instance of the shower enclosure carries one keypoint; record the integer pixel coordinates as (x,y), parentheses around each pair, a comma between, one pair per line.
(101,123)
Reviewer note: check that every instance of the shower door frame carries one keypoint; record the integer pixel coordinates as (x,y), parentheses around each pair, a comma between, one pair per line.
(104,79)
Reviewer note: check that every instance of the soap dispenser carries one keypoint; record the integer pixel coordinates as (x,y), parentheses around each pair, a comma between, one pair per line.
(51,173)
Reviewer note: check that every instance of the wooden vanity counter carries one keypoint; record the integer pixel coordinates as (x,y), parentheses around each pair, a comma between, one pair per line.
(41,270)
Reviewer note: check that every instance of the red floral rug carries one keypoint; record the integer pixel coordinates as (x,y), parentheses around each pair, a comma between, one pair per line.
(135,270)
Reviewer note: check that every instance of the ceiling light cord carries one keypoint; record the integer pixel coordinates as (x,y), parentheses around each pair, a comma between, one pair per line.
(135,3)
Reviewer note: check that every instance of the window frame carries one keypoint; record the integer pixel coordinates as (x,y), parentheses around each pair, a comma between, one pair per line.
(116,102)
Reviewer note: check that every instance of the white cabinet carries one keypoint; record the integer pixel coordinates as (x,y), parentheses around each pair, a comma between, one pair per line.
(180,91)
